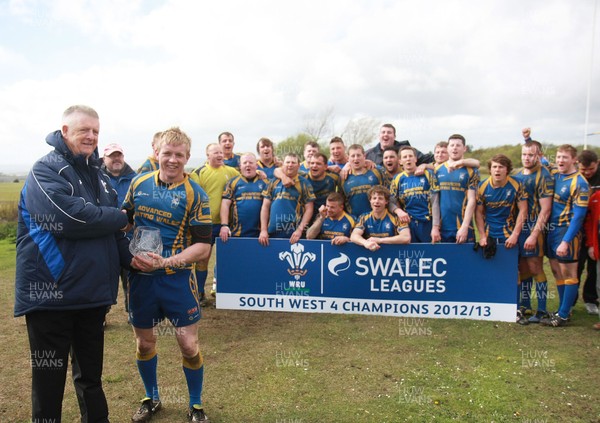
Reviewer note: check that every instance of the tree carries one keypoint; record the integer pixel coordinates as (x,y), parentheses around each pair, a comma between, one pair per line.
(293,144)
(319,125)
(360,131)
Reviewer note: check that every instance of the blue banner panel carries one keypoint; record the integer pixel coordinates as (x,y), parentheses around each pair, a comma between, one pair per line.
(416,280)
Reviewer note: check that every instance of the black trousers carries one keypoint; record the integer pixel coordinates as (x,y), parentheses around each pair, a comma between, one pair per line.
(589,293)
(52,336)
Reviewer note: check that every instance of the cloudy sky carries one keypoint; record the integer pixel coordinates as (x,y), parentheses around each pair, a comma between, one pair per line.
(265,67)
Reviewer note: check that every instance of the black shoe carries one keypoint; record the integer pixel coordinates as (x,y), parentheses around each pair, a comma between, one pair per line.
(554,320)
(521,319)
(146,410)
(538,316)
(196,414)
(203,300)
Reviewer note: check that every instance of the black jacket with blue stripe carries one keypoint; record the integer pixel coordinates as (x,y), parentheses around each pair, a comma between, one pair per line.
(69,246)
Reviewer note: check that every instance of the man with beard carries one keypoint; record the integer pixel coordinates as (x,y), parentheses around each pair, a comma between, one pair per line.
(120,175)
(391,165)
(539,187)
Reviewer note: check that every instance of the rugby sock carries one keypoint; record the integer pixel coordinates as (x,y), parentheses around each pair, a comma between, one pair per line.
(571,289)
(526,284)
(201,276)
(147,364)
(193,368)
(560,287)
(541,291)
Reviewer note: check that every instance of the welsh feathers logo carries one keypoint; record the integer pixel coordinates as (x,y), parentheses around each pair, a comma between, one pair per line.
(297,259)
(339,264)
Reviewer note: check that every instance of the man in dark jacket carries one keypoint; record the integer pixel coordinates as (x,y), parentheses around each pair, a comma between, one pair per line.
(117,169)
(387,138)
(120,175)
(70,247)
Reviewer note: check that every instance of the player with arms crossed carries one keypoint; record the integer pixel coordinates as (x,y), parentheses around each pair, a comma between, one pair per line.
(165,286)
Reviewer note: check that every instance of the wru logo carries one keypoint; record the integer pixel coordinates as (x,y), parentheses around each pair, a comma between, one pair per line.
(297,259)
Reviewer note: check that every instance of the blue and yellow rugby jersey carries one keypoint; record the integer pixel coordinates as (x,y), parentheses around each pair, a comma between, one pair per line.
(386,176)
(380,228)
(246,198)
(538,184)
(323,187)
(355,189)
(269,170)
(501,206)
(150,165)
(337,227)
(304,168)
(569,206)
(213,181)
(234,162)
(414,192)
(287,203)
(453,196)
(173,209)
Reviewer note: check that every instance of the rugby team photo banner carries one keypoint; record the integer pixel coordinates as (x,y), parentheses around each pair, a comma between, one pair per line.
(417,280)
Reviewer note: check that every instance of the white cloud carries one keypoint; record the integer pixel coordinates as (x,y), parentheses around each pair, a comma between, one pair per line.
(259,68)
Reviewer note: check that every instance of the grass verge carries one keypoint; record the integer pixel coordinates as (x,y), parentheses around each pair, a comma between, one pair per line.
(288,367)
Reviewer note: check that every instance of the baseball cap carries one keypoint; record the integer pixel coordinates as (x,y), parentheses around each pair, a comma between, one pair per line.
(111,148)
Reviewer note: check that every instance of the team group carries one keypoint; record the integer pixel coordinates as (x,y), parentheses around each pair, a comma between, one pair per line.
(394,194)
(67,273)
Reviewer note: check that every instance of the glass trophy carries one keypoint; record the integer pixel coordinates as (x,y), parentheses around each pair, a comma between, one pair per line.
(146,240)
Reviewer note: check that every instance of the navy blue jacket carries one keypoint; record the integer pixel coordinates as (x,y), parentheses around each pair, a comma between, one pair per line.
(375,154)
(68,240)
(121,183)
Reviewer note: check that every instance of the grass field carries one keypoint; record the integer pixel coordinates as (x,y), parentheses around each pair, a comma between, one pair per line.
(288,367)
(9,191)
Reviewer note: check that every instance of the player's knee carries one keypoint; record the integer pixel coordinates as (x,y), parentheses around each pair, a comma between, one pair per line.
(188,344)
(145,345)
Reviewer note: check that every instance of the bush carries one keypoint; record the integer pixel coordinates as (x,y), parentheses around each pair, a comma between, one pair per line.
(8,230)
(9,211)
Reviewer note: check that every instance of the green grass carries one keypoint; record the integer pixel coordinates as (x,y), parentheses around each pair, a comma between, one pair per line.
(9,191)
(285,367)
(9,197)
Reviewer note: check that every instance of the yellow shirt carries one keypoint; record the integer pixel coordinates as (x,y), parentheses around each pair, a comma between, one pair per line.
(213,180)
